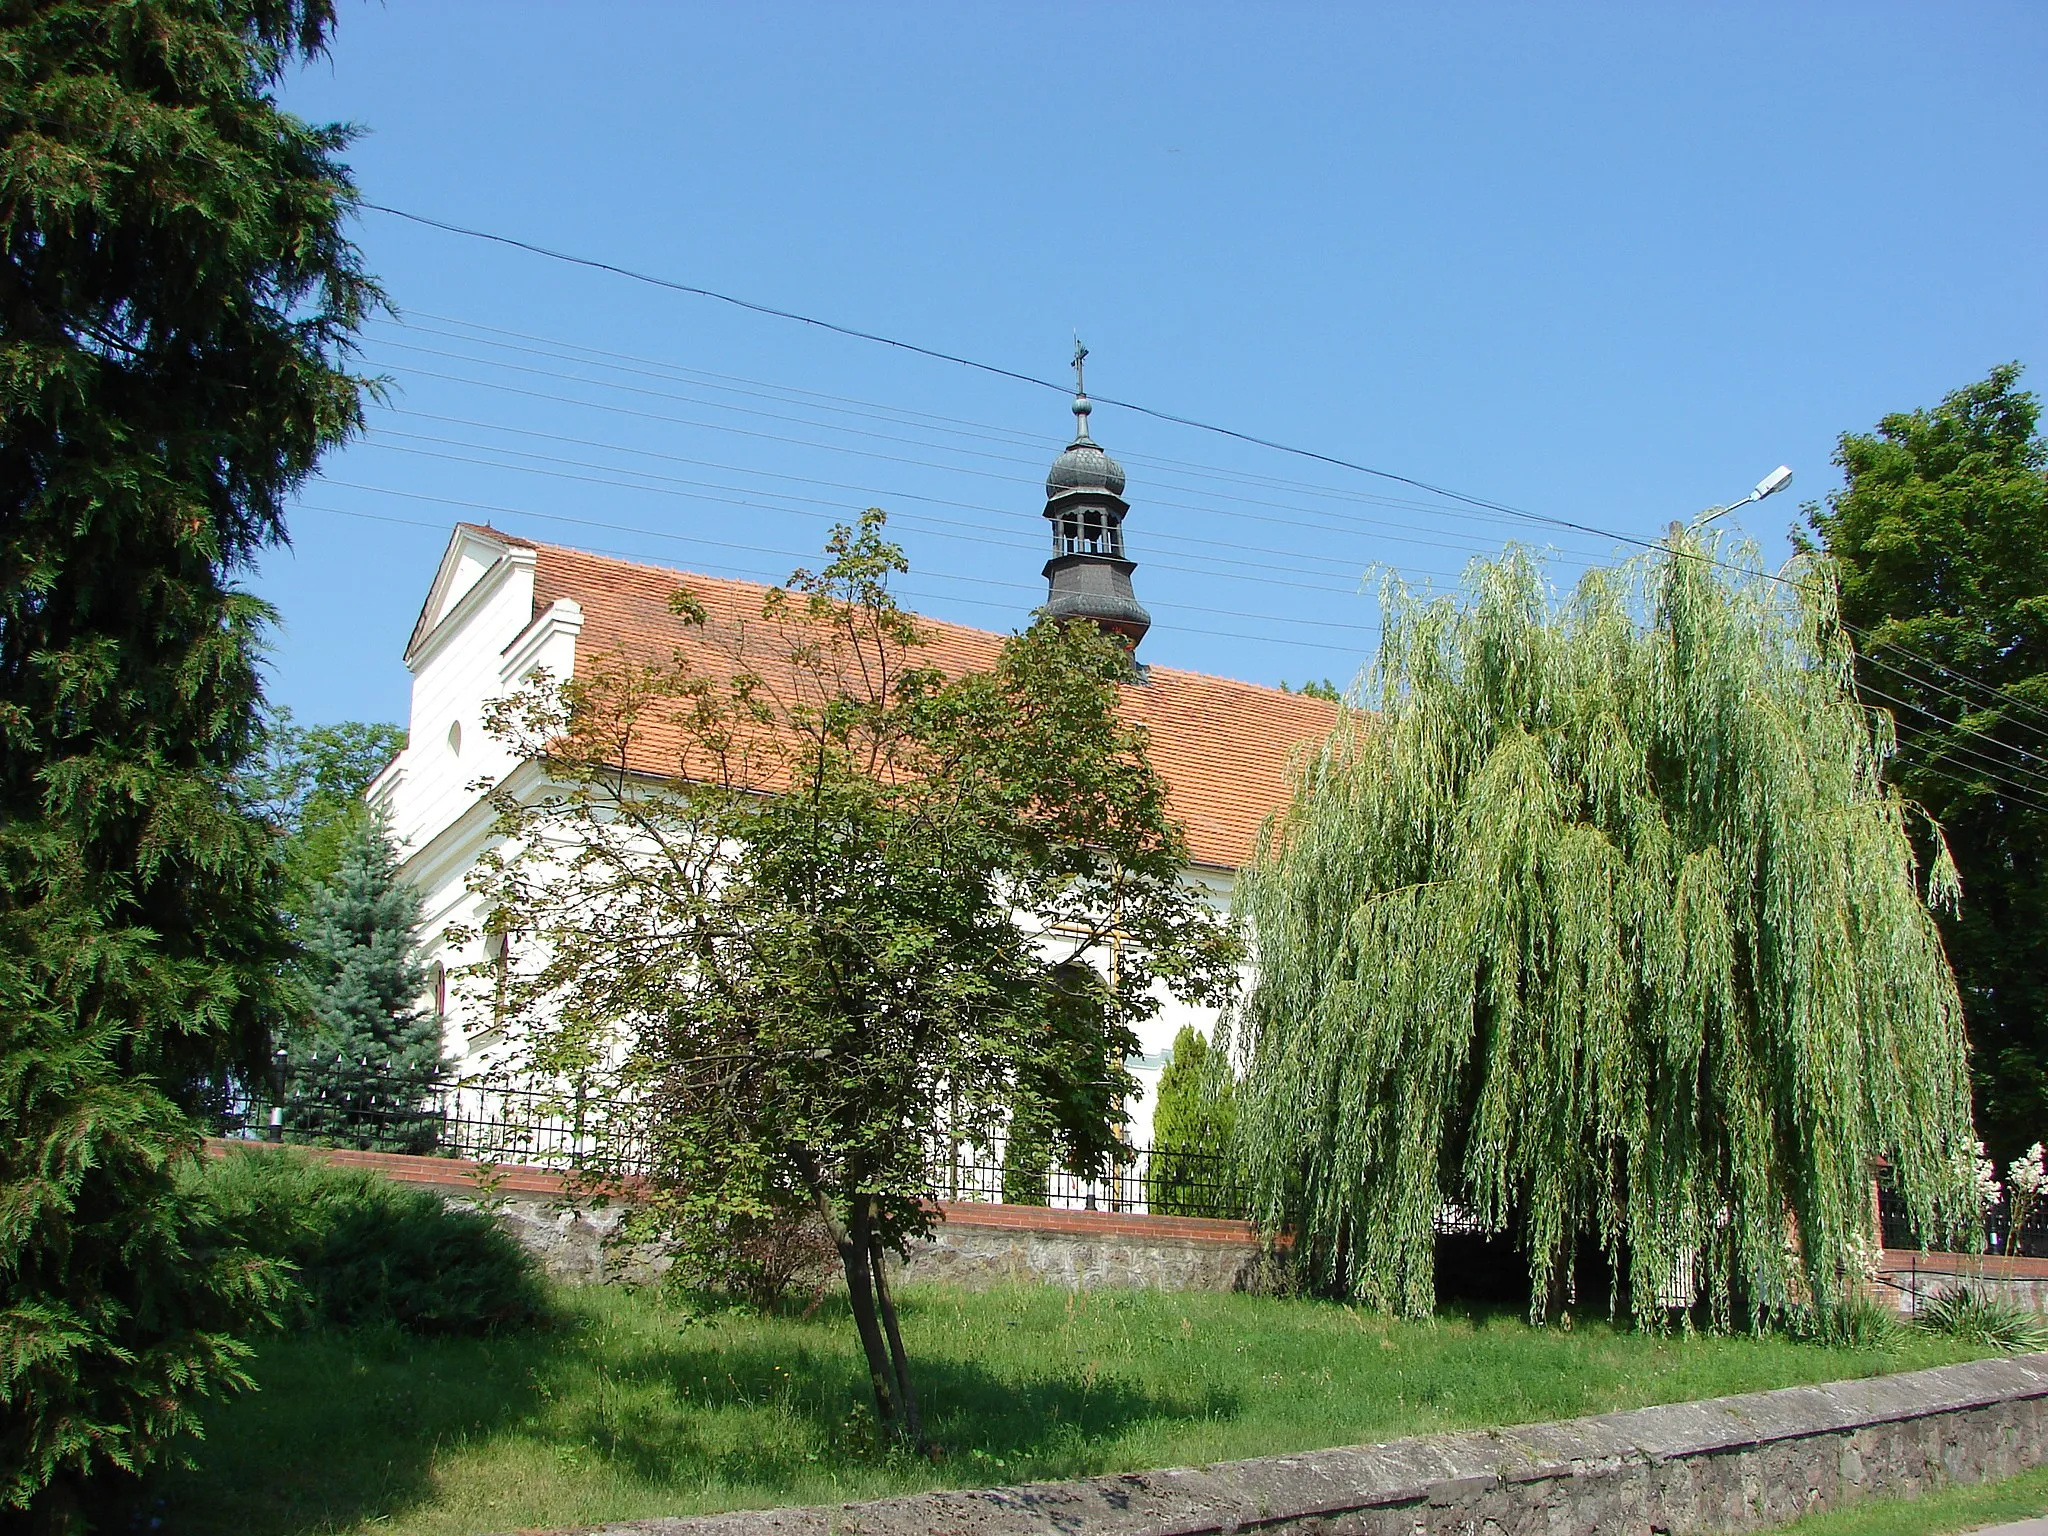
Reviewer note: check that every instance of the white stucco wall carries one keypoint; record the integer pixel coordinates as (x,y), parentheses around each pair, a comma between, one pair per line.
(478,642)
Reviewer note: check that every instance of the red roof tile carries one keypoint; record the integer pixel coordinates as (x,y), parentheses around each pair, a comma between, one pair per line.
(1223,747)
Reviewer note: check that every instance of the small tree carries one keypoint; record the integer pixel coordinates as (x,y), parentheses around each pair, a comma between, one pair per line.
(1605,927)
(852,914)
(363,1069)
(1194,1132)
(308,782)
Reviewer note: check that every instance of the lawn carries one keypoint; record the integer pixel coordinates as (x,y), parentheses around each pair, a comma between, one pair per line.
(636,1407)
(1937,1514)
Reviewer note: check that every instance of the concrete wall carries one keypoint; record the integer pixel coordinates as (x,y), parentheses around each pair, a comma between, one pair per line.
(1732,1464)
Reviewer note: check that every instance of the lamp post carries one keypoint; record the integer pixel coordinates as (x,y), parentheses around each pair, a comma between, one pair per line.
(1770,485)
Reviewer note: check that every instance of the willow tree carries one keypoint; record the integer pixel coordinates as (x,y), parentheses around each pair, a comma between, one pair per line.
(1604,926)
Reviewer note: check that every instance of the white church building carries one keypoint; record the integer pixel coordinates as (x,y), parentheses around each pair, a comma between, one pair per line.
(501,608)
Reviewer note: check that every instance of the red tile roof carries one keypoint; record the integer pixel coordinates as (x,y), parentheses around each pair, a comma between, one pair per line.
(1223,747)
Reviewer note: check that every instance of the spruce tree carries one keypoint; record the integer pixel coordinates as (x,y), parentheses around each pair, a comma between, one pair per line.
(364,1069)
(176,298)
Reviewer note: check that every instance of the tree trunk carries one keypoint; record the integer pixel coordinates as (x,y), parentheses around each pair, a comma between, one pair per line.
(913,1423)
(856,1247)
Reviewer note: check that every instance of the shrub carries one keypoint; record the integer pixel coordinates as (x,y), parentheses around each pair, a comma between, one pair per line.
(1857,1321)
(1977,1318)
(757,1257)
(369,1251)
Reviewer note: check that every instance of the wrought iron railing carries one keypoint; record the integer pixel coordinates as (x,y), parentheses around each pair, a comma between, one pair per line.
(564,1130)
(1998,1236)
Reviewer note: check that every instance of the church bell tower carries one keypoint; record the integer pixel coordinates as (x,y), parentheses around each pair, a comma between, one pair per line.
(1088,577)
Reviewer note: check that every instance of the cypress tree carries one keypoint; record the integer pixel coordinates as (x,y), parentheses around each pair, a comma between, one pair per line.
(176,296)
(1607,927)
(362,1072)
(1194,1129)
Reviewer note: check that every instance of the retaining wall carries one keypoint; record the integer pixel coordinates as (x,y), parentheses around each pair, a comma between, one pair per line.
(973,1244)
(1731,1464)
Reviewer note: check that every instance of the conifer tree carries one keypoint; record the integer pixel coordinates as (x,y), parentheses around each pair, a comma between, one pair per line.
(1194,1130)
(176,297)
(363,1070)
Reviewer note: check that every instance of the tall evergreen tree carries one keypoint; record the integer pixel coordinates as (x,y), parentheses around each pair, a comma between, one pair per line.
(176,296)
(361,1073)
(1940,536)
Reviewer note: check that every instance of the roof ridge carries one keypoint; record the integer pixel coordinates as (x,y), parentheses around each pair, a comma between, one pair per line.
(684,577)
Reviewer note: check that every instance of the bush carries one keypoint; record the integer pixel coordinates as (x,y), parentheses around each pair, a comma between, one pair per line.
(1977,1318)
(1857,1321)
(369,1251)
(757,1257)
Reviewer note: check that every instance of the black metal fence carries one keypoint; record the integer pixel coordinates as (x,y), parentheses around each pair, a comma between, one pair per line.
(566,1130)
(2030,1241)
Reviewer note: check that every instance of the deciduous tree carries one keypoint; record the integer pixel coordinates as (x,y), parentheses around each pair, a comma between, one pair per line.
(1606,925)
(1940,540)
(859,909)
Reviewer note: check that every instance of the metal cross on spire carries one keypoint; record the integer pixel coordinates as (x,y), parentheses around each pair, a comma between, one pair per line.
(1081,405)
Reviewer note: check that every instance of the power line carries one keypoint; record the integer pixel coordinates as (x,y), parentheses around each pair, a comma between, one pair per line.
(1175,418)
(1381,527)
(1006,373)
(642,474)
(563,350)
(752,572)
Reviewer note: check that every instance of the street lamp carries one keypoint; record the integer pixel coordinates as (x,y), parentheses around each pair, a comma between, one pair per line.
(1770,485)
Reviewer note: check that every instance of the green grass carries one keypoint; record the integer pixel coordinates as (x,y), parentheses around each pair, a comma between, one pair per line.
(1936,1514)
(635,1407)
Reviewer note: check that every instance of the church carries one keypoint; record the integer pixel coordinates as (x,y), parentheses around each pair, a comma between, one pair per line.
(502,608)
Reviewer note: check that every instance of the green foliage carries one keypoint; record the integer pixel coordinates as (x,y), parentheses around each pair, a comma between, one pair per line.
(308,781)
(1973,1316)
(1940,539)
(1027,1161)
(756,1257)
(176,294)
(1857,1321)
(866,907)
(621,1414)
(1317,689)
(362,1072)
(1605,926)
(1194,1131)
(370,1252)
(122,1302)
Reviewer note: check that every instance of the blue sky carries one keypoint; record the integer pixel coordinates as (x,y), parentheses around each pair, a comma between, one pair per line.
(1608,263)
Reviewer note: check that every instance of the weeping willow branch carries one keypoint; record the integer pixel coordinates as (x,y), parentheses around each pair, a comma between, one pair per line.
(1604,925)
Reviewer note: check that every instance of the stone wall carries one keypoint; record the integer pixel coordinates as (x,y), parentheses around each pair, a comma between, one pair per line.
(1731,1464)
(972,1244)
